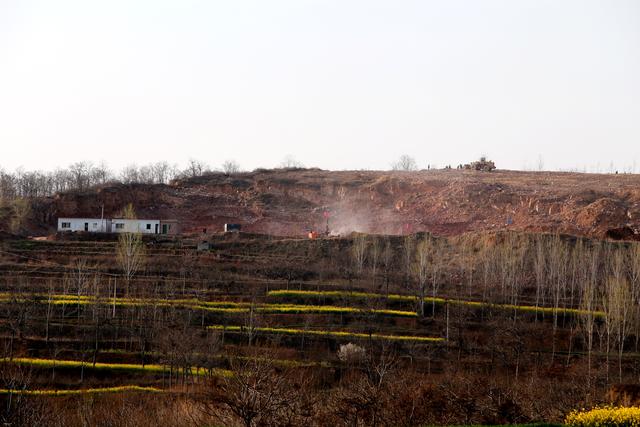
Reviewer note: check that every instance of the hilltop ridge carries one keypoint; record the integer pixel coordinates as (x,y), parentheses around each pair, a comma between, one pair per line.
(444,202)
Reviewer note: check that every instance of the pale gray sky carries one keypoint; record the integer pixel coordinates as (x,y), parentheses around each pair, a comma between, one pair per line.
(337,84)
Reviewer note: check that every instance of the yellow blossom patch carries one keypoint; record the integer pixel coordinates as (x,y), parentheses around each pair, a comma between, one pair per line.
(331,334)
(605,416)
(120,389)
(440,301)
(127,367)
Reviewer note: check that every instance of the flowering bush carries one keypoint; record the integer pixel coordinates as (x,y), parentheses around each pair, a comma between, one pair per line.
(605,416)
(351,353)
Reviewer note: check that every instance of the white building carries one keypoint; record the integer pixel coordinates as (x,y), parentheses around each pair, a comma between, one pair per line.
(119,225)
(93,225)
(144,226)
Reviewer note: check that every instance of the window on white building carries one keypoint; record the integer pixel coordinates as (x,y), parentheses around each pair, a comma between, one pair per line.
(148,226)
(66,225)
(119,226)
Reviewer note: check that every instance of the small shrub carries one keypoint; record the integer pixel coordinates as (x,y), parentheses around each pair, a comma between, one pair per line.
(351,353)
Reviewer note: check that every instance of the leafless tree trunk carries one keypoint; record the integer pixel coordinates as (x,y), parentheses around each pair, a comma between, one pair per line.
(619,311)
(437,257)
(421,268)
(540,269)
(387,257)
(408,248)
(130,254)
(359,253)
(374,257)
(588,305)
(557,276)
(634,282)
(21,212)
(468,260)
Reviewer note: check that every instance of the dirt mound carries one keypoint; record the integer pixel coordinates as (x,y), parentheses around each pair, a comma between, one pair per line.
(598,214)
(446,202)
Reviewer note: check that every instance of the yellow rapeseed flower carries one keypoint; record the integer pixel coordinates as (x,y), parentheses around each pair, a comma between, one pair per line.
(605,416)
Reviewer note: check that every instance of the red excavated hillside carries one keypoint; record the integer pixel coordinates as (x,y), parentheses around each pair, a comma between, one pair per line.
(446,202)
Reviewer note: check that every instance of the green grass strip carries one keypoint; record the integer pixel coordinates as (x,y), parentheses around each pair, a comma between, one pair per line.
(330,334)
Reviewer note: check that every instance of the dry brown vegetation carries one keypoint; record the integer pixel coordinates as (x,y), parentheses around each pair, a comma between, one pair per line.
(501,324)
(513,350)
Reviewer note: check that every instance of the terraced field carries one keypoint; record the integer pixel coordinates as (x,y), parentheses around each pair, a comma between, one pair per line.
(190,324)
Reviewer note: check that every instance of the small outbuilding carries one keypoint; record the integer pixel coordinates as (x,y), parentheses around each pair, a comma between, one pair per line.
(232,228)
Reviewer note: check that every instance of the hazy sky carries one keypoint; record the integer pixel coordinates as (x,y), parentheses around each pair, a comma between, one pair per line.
(337,84)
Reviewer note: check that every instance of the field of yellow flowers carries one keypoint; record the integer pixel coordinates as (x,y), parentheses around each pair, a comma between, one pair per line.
(605,416)
(64,392)
(332,334)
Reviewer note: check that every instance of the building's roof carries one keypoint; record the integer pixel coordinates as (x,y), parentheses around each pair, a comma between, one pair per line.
(144,219)
(136,219)
(122,219)
(82,217)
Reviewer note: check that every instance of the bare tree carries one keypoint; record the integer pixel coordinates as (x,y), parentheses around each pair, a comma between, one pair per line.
(359,252)
(195,168)
(558,261)
(405,163)
(230,167)
(633,254)
(618,313)
(80,279)
(21,213)
(81,172)
(130,174)
(468,261)
(163,172)
(387,259)
(588,305)
(7,186)
(437,260)
(374,257)
(130,253)
(540,270)
(408,248)
(290,162)
(421,269)
(19,409)
(256,394)
(364,396)
(252,322)
(130,250)
(488,258)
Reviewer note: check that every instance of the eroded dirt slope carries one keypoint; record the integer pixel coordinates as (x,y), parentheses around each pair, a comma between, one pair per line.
(443,202)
